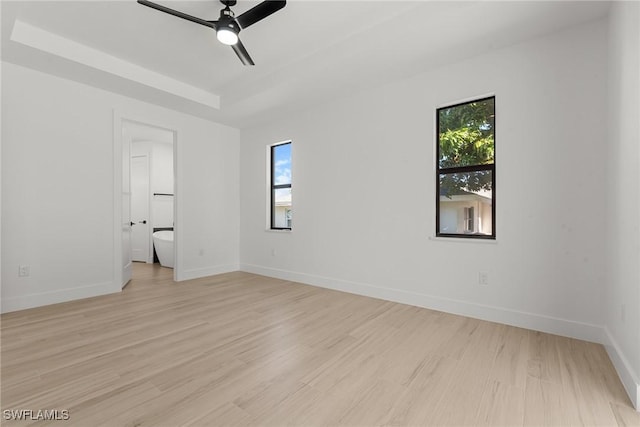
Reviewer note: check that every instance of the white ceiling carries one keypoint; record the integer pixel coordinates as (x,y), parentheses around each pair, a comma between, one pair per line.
(310,52)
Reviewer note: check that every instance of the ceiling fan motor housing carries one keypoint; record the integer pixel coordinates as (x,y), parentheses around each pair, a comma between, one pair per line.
(227,20)
(229,23)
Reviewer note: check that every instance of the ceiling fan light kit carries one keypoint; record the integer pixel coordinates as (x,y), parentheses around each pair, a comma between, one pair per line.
(227,35)
(228,27)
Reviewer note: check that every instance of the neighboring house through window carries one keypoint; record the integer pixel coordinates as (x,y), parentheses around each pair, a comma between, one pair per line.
(281,186)
(465,171)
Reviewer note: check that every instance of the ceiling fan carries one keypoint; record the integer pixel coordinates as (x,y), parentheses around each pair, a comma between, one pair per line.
(228,26)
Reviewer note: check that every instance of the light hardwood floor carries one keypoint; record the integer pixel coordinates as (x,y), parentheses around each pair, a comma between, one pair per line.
(240,349)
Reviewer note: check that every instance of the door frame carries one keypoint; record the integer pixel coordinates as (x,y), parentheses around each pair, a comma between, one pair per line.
(119,118)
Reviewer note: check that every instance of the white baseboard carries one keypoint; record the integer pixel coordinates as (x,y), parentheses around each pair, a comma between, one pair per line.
(537,322)
(62,295)
(197,273)
(627,375)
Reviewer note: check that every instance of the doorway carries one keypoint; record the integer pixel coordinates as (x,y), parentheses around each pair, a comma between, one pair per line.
(148,192)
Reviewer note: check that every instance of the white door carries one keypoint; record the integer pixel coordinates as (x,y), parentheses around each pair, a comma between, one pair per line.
(140,239)
(126,208)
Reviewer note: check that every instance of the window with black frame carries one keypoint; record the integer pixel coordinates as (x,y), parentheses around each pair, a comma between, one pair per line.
(465,171)
(281,186)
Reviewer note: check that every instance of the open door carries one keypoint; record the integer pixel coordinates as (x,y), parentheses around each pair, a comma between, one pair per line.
(140,238)
(126,208)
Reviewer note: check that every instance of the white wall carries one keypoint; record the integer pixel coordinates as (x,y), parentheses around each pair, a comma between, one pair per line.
(58,188)
(373,152)
(622,287)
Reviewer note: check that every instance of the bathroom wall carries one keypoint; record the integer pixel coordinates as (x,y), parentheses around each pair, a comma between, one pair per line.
(162,182)
(58,200)
(161,179)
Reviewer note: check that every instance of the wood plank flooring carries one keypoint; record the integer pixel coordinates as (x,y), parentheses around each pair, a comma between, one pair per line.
(240,349)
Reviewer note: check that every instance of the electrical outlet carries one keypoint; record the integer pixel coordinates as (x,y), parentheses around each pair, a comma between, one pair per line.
(483,278)
(23,270)
(273,252)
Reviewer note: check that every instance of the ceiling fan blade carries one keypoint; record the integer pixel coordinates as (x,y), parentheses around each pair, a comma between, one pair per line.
(259,12)
(210,24)
(242,53)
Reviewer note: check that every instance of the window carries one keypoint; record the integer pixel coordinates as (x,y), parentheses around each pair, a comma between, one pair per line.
(281,186)
(465,172)
(468,220)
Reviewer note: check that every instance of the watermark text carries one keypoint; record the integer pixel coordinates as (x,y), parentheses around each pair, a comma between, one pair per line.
(36,415)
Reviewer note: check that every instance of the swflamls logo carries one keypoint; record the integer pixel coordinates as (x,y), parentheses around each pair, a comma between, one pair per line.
(36,415)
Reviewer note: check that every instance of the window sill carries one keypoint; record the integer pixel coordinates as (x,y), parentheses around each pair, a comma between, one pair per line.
(463,240)
(272,230)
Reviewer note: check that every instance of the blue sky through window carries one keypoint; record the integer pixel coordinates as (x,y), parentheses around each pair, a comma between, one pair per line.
(282,164)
